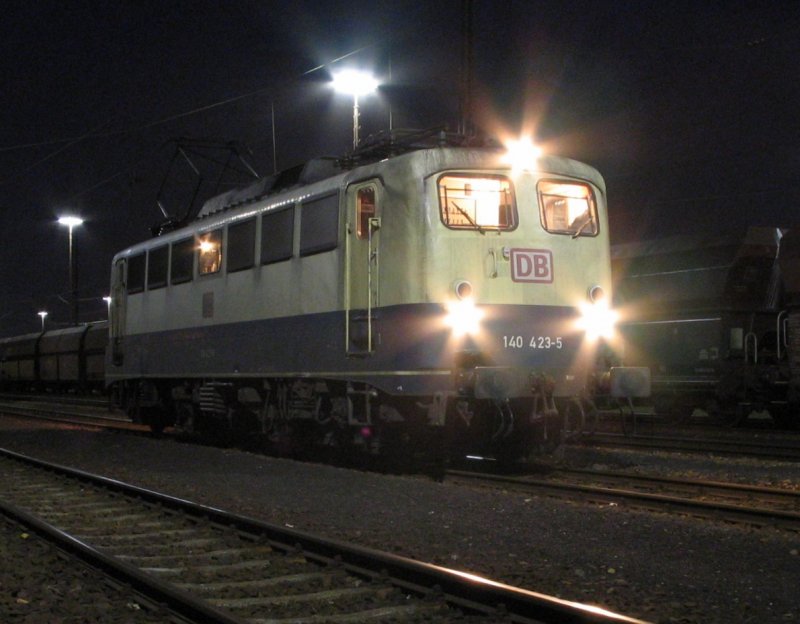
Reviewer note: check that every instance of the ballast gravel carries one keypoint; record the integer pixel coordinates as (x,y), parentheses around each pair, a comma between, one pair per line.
(657,567)
(41,585)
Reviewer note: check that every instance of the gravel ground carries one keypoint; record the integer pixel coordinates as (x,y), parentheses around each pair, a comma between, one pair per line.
(658,567)
(38,585)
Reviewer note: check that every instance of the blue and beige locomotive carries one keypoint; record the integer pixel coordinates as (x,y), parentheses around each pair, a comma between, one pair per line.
(371,300)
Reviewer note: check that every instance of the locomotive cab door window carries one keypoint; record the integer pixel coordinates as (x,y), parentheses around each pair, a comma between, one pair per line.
(365,210)
(568,208)
(477,202)
(362,266)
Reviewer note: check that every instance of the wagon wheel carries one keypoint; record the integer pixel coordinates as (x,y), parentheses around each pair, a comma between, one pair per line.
(785,416)
(673,410)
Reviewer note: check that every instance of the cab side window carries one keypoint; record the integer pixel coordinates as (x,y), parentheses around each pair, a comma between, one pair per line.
(182,263)
(241,245)
(209,253)
(319,227)
(157,266)
(277,235)
(136,266)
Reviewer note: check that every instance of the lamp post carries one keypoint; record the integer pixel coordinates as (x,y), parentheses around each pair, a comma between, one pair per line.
(70,222)
(43,314)
(354,83)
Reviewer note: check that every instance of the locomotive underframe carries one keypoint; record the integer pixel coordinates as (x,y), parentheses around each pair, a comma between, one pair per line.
(293,414)
(487,397)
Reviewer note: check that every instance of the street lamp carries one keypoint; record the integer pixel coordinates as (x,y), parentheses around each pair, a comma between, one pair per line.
(71,222)
(43,314)
(354,83)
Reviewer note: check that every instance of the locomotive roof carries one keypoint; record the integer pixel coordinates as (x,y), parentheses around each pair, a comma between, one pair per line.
(321,175)
(384,146)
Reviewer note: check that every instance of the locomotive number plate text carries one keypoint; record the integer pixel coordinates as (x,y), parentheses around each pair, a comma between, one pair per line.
(533,342)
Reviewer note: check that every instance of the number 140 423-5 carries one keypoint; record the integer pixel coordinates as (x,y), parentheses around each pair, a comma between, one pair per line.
(534,342)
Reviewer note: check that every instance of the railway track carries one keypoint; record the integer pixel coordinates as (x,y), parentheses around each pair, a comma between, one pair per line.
(210,566)
(775,449)
(728,502)
(95,415)
(41,583)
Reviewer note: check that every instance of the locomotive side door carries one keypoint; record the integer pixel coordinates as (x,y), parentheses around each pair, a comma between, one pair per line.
(362,265)
(117,311)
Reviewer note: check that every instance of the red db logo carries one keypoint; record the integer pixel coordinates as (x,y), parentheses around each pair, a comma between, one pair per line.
(532,265)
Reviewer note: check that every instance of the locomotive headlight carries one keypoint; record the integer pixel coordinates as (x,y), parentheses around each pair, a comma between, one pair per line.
(522,154)
(463,317)
(597,319)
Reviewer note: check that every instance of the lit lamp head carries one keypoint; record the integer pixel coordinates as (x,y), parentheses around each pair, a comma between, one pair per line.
(597,319)
(354,83)
(522,154)
(70,221)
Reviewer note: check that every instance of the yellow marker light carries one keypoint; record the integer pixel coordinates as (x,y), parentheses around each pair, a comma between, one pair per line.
(597,319)
(463,317)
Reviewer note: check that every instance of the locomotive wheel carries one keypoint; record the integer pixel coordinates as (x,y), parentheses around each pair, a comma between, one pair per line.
(156,417)
(574,422)
(186,419)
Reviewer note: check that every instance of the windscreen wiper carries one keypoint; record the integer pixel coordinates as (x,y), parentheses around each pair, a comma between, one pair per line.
(467,217)
(580,230)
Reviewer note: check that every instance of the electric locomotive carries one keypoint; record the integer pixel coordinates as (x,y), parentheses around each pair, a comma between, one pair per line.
(414,286)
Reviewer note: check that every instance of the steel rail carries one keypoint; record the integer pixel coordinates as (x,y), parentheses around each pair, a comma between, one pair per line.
(706,485)
(656,502)
(458,588)
(164,594)
(774,450)
(58,413)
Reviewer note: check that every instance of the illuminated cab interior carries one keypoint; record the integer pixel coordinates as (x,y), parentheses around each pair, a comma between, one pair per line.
(477,202)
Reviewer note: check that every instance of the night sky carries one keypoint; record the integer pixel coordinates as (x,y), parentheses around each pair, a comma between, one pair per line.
(690,110)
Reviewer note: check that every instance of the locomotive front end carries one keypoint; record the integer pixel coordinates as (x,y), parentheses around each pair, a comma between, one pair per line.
(520,257)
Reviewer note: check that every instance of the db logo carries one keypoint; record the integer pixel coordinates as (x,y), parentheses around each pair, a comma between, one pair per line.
(532,265)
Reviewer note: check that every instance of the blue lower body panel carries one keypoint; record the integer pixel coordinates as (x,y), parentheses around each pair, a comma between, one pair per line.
(413,351)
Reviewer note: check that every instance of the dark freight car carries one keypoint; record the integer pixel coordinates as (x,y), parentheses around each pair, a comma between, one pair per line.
(18,366)
(707,316)
(67,360)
